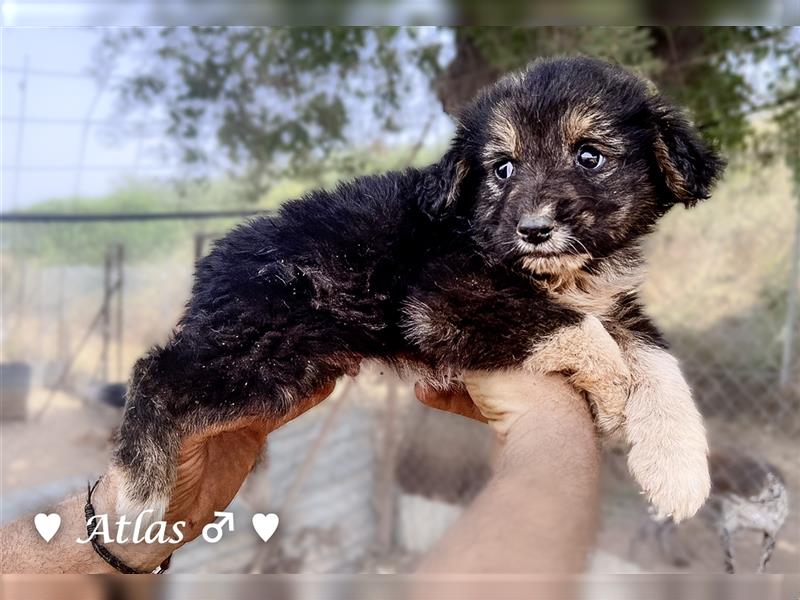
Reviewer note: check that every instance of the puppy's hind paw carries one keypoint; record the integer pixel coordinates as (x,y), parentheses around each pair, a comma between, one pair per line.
(675,480)
(128,500)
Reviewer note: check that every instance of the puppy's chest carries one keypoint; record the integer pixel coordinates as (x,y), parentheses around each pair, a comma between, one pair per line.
(593,294)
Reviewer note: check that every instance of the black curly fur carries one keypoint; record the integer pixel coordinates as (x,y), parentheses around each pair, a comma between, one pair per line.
(284,304)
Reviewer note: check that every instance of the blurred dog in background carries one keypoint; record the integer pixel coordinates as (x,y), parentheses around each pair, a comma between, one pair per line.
(747,494)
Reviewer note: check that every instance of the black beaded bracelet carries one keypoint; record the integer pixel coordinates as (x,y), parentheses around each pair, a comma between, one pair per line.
(105,554)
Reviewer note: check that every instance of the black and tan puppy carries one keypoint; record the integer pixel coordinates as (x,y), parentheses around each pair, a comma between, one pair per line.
(521,247)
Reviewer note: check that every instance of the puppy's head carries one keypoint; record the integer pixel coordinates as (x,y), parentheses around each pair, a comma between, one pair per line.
(571,161)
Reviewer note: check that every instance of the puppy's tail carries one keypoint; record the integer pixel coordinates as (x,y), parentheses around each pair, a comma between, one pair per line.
(145,458)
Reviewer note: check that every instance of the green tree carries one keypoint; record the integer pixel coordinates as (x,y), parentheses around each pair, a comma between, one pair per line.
(276,101)
(290,101)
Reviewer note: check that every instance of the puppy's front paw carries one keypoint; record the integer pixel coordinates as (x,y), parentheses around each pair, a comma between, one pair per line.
(611,398)
(608,410)
(600,369)
(675,479)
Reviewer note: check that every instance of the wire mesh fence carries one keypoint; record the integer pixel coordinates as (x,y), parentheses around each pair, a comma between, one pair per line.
(370,480)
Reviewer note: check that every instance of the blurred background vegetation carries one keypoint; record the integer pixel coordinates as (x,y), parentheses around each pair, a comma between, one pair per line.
(279,101)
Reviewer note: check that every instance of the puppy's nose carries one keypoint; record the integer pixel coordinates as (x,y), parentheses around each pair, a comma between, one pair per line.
(535,230)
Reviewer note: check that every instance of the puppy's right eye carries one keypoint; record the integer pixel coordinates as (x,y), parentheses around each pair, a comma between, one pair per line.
(590,158)
(504,170)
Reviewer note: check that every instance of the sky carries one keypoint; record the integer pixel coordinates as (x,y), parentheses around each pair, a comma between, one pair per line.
(41,156)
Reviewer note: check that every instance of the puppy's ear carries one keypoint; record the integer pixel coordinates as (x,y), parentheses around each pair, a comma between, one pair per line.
(688,164)
(446,187)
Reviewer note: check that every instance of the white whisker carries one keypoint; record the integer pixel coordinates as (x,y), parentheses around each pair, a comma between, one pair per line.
(571,239)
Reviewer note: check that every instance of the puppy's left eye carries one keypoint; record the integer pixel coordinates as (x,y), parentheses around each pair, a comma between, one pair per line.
(590,157)
(504,170)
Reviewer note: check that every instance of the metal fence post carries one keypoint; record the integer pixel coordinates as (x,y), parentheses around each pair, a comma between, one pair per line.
(199,242)
(386,482)
(120,297)
(105,325)
(787,359)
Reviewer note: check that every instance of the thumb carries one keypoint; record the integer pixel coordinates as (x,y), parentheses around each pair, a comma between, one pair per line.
(455,400)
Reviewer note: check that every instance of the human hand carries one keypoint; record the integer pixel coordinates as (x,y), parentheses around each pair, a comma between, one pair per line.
(212,465)
(501,398)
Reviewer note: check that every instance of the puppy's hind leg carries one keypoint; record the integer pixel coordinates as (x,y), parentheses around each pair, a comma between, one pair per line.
(176,393)
(143,465)
(595,364)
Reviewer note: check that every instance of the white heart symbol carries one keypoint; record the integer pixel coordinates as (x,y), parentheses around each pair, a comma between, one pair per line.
(265,525)
(47,525)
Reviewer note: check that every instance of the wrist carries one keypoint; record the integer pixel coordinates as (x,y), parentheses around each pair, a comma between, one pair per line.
(141,556)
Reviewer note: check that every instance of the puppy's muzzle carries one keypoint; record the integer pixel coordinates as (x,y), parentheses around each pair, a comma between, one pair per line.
(535,230)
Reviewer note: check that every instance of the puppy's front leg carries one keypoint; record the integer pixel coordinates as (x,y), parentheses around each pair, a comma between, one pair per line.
(668,446)
(595,364)
(640,385)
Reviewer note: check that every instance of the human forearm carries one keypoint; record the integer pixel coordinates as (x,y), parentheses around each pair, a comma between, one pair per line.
(24,551)
(538,512)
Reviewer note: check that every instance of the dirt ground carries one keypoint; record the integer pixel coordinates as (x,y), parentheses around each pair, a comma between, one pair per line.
(70,440)
(43,460)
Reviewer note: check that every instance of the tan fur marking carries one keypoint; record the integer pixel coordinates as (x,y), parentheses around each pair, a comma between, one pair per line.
(674,178)
(561,267)
(587,218)
(668,454)
(597,293)
(461,172)
(642,389)
(592,293)
(504,138)
(576,122)
(595,363)
(586,122)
